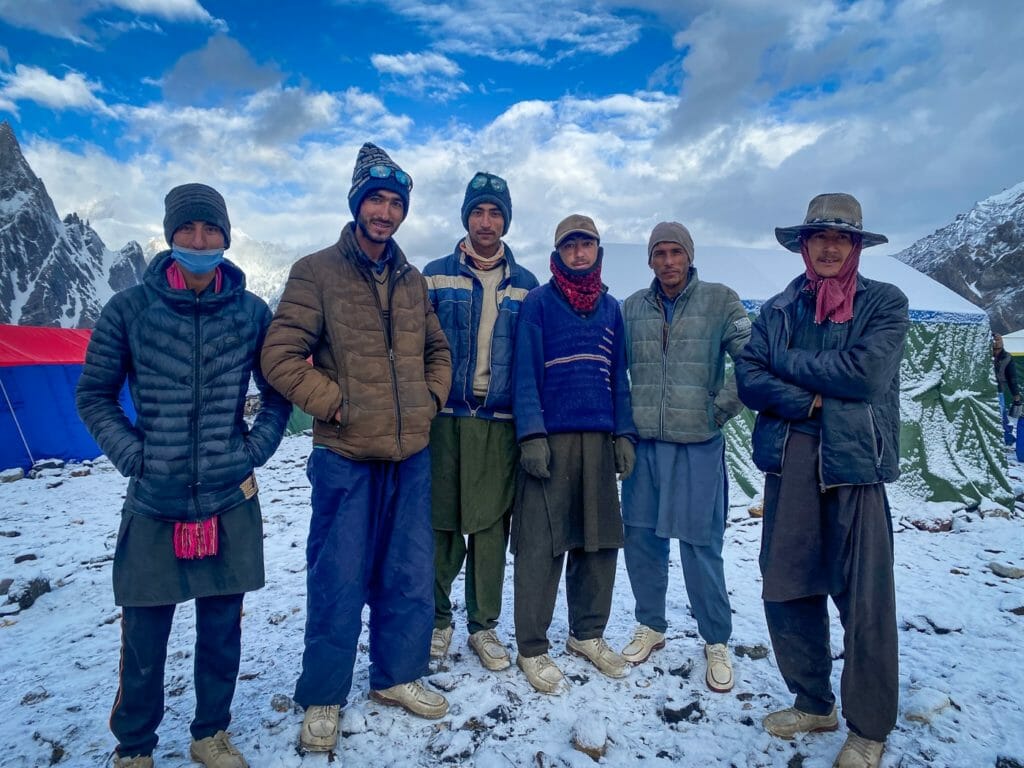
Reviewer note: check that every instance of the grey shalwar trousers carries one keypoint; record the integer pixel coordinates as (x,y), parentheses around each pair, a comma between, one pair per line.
(834,544)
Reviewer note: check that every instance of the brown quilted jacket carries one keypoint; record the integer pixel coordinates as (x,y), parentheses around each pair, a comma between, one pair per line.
(387,395)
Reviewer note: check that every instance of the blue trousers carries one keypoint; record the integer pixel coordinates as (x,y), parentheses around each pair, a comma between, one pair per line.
(704,574)
(1007,423)
(139,706)
(370,543)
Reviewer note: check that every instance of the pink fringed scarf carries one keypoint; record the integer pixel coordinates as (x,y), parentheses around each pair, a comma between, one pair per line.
(833,295)
(193,541)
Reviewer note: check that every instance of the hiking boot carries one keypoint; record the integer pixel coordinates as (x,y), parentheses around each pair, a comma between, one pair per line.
(440,639)
(492,652)
(414,698)
(859,752)
(319,728)
(217,751)
(136,761)
(787,723)
(542,673)
(719,672)
(645,641)
(596,650)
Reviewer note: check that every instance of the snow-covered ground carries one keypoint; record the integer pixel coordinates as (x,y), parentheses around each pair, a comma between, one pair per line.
(961,638)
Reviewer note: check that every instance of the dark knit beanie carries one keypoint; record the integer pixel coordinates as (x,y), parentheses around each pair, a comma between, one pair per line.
(376,170)
(487,188)
(195,202)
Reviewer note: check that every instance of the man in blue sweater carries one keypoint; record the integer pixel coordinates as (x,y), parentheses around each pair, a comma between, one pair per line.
(575,430)
(477,291)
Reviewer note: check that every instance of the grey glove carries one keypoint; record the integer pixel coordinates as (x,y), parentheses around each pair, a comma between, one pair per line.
(625,456)
(1016,410)
(534,457)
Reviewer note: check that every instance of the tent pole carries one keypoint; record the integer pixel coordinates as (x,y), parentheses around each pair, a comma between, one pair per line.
(15,417)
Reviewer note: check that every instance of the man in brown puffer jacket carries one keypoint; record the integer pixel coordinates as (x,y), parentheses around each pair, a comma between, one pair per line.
(381,371)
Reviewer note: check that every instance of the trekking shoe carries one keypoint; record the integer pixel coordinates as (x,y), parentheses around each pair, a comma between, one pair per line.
(440,639)
(859,752)
(319,728)
(596,650)
(414,698)
(645,641)
(719,673)
(787,723)
(136,761)
(492,652)
(217,751)
(542,673)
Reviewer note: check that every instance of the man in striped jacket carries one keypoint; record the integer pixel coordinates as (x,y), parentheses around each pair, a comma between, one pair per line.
(476,291)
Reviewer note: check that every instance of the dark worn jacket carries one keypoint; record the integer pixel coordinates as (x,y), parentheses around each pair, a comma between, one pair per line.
(677,373)
(188,359)
(389,382)
(1006,374)
(856,373)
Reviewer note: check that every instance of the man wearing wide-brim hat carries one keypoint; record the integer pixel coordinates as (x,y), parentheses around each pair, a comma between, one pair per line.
(822,371)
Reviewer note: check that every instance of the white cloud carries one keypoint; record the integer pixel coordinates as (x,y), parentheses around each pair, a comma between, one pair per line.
(73,91)
(428,75)
(72,19)
(520,34)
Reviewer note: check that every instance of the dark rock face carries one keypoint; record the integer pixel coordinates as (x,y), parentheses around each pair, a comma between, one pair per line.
(52,272)
(980,255)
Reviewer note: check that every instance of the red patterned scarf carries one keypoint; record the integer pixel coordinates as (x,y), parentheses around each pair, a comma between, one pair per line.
(582,288)
(193,541)
(833,295)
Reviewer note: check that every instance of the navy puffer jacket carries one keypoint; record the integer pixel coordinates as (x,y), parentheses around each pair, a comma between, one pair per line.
(188,360)
(857,374)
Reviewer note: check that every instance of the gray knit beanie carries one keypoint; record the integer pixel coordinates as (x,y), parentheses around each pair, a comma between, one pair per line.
(195,202)
(376,170)
(670,232)
(487,188)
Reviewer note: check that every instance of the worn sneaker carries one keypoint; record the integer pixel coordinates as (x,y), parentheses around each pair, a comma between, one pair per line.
(414,698)
(787,723)
(217,751)
(492,652)
(596,650)
(319,728)
(543,674)
(859,752)
(719,672)
(440,639)
(135,761)
(645,641)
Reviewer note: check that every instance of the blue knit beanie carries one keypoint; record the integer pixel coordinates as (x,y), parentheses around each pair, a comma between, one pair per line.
(487,188)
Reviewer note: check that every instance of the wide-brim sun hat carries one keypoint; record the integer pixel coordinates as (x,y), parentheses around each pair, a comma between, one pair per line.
(832,210)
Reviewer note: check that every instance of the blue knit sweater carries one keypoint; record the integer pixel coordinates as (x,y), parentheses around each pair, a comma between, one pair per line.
(570,369)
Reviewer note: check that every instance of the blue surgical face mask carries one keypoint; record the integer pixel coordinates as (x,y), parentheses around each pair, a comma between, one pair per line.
(198,262)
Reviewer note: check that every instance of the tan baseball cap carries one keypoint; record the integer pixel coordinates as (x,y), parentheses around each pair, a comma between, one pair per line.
(576,224)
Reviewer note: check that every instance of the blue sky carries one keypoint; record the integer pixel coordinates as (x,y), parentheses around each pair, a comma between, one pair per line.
(727,115)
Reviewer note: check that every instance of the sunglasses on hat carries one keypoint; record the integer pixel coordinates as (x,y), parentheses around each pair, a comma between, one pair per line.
(386,171)
(482,180)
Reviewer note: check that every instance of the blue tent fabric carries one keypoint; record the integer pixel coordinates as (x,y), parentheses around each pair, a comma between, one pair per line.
(38,419)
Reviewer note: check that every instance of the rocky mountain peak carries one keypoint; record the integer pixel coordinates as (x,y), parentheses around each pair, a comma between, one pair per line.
(980,255)
(53,272)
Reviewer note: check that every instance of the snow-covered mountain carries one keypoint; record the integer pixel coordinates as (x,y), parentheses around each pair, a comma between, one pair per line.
(53,272)
(981,256)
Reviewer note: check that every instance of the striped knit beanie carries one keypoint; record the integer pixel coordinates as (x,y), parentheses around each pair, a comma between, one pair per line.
(195,202)
(364,179)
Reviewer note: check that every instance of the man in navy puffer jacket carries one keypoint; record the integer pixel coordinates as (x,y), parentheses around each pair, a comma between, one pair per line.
(822,371)
(187,341)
